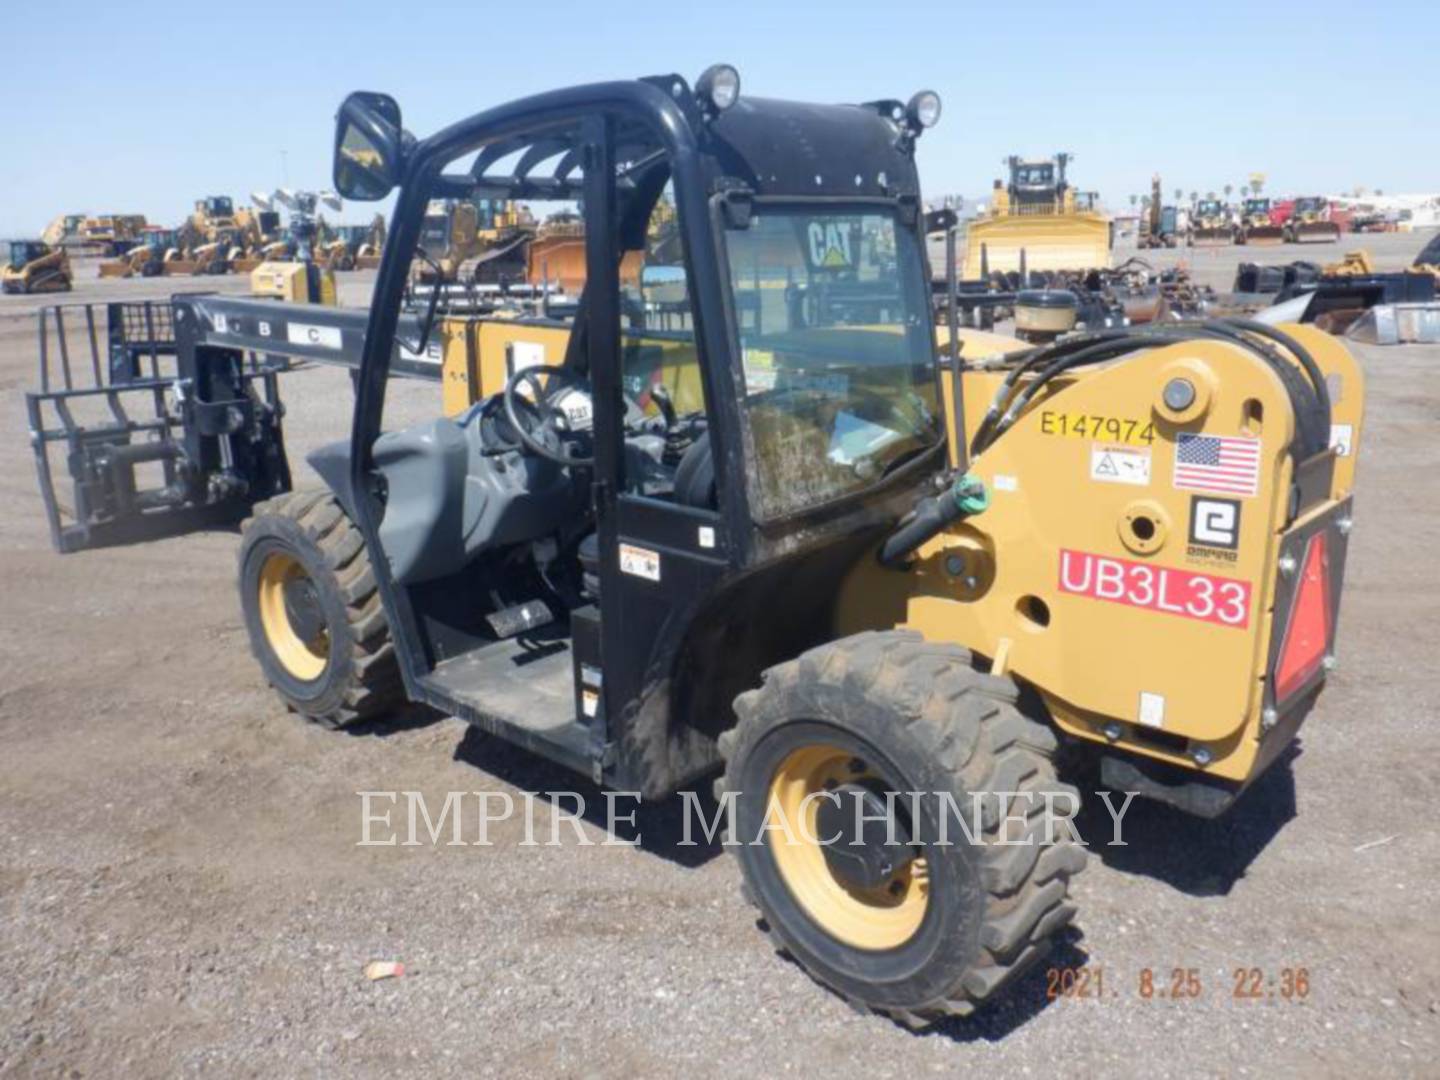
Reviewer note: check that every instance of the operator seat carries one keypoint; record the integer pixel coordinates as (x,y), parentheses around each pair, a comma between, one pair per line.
(694,486)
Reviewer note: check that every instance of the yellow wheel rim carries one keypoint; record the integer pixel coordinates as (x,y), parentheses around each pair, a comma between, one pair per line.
(873,919)
(304,659)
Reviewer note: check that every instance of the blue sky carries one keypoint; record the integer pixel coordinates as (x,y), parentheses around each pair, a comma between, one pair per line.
(147,106)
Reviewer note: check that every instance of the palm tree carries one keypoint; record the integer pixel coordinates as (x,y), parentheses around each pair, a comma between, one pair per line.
(1179,194)
(1228,189)
(1194,195)
(1210,195)
(1244,191)
(1133,200)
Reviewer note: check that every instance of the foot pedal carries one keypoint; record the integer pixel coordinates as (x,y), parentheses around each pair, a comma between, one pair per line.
(507,622)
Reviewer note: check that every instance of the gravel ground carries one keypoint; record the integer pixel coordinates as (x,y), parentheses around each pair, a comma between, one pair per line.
(181,890)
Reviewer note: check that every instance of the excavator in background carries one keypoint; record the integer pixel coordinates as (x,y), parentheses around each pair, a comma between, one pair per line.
(1310,223)
(34,266)
(1256,227)
(1211,224)
(1157,226)
(1037,213)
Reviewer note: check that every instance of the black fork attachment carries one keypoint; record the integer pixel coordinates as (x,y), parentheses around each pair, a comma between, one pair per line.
(158,436)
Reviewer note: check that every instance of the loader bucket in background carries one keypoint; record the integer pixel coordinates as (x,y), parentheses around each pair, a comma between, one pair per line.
(1050,242)
(1214,237)
(1315,232)
(1265,235)
(153,446)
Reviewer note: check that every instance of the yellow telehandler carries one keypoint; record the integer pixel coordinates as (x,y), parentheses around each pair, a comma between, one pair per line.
(773,533)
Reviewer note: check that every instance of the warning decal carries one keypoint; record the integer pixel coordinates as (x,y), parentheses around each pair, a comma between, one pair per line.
(1120,465)
(1170,589)
(642,562)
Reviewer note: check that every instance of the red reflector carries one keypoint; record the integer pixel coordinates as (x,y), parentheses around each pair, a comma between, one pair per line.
(1308,632)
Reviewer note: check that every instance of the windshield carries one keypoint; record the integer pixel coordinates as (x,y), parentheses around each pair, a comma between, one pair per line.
(1210,207)
(1257,206)
(19,254)
(1035,175)
(1305,205)
(837,349)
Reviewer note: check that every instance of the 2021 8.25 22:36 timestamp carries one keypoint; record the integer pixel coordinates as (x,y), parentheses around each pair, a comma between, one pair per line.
(1244,985)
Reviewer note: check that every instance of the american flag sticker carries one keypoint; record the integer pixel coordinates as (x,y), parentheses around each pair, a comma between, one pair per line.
(1217,463)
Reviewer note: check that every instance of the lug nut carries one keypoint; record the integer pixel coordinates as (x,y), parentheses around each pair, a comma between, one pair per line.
(1111,731)
(1287,564)
(1330,663)
(1179,394)
(1201,756)
(1268,719)
(1345,524)
(954,565)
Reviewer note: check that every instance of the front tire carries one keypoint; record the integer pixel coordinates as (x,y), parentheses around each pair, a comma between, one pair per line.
(313,611)
(955,922)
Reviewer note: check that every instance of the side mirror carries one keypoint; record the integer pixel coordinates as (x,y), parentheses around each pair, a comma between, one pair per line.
(369,146)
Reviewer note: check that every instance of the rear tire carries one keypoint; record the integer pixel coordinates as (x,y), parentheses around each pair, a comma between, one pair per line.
(313,611)
(918,717)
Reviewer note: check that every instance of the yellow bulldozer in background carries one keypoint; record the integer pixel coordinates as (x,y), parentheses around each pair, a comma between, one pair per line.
(1310,222)
(1211,224)
(36,267)
(1037,213)
(1256,226)
(467,239)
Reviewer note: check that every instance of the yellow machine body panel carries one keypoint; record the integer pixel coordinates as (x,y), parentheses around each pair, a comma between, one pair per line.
(291,281)
(1084,577)
(478,355)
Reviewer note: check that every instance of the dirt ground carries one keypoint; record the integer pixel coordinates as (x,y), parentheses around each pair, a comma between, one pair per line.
(181,889)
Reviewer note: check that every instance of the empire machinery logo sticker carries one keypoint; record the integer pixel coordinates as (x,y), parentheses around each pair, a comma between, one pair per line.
(1214,528)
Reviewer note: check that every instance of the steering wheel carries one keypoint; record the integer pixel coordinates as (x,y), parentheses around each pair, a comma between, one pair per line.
(544,426)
